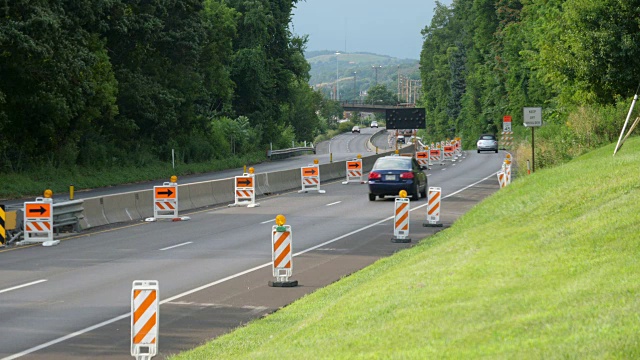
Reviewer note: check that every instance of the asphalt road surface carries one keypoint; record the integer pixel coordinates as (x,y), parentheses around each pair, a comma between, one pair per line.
(72,301)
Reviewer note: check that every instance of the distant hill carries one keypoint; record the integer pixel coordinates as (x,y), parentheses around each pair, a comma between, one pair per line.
(364,65)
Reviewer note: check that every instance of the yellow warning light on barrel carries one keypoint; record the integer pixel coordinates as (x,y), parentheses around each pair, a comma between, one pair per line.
(280,220)
(315,161)
(48,193)
(251,170)
(403,194)
(397,151)
(359,156)
(174,179)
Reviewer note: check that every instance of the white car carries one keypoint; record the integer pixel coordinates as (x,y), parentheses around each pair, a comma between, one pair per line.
(374,124)
(355,129)
(487,142)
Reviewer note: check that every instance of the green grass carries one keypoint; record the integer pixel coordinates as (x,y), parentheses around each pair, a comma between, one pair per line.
(16,186)
(546,268)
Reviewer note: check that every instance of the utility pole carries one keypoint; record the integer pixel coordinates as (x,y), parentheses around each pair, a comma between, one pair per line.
(337,77)
(355,93)
(376,67)
(398,83)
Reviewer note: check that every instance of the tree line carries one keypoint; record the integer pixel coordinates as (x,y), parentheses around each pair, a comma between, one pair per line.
(101,83)
(576,59)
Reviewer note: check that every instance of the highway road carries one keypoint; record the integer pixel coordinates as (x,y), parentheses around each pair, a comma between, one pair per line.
(72,301)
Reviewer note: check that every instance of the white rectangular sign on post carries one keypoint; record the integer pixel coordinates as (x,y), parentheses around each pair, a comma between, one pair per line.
(532,116)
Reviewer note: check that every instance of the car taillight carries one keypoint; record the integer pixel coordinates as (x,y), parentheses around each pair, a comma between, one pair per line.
(406,175)
(374,176)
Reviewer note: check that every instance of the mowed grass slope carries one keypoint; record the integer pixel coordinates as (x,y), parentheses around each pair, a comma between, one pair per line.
(546,268)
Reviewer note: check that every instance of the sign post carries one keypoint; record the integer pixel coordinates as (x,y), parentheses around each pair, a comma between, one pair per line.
(532,118)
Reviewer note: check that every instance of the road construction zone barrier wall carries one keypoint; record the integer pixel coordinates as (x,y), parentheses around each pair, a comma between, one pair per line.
(401,221)
(354,171)
(165,201)
(145,318)
(38,221)
(282,251)
(310,176)
(433,207)
(245,192)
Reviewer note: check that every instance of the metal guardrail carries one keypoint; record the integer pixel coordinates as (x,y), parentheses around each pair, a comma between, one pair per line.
(285,153)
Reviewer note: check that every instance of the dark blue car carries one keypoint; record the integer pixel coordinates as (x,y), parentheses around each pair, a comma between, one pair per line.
(390,174)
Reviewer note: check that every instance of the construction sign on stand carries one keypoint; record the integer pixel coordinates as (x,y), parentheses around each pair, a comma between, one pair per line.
(423,158)
(145,318)
(245,190)
(433,207)
(282,254)
(401,219)
(354,171)
(38,222)
(165,201)
(311,178)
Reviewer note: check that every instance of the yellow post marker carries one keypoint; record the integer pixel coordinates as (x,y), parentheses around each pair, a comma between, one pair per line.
(71,188)
(403,194)
(244,171)
(251,170)
(376,149)
(397,152)
(48,194)
(174,179)
(330,157)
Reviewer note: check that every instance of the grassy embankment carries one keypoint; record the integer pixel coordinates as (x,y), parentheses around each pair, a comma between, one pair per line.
(34,183)
(546,268)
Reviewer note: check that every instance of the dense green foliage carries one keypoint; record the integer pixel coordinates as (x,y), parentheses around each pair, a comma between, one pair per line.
(109,83)
(577,59)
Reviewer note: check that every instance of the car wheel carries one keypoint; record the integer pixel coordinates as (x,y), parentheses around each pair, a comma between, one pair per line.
(415,194)
(372,197)
(478,151)
(423,193)
(496,151)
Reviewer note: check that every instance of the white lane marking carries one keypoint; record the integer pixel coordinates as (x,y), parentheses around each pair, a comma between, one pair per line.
(23,285)
(334,203)
(268,221)
(175,246)
(217,282)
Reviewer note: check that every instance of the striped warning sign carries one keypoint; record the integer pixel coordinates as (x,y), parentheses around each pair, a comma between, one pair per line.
(165,201)
(433,207)
(401,220)
(145,318)
(3,229)
(281,254)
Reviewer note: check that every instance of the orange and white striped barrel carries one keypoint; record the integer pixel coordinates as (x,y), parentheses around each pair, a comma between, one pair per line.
(433,206)
(401,220)
(282,251)
(145,318)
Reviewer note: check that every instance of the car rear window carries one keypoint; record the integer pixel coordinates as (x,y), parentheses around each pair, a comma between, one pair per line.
(393,163)
(487,137)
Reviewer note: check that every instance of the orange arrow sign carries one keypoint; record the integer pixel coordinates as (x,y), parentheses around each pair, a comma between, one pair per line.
(310,171)
(37,210)
(422,155)
(244,182)
(353,164)
(166,192)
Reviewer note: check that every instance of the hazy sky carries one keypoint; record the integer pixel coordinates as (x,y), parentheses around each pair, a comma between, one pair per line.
(385,27)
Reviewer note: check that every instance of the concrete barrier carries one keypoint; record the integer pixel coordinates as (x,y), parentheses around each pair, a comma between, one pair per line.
(120,207)
(144,203)
(200,194)
(93,214)
(224,191)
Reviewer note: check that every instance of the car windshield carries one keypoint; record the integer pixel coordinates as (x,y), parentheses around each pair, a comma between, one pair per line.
(393,163)
(487,137)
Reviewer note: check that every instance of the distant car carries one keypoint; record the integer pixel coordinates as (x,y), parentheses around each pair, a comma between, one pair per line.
(400,139)
(390,174)
(374,124)
(355,129)
(487,142)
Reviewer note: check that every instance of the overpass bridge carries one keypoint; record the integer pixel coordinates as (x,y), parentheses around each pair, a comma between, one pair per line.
(369,106)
